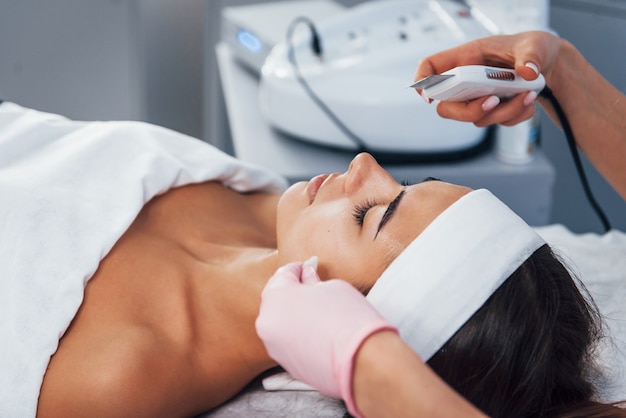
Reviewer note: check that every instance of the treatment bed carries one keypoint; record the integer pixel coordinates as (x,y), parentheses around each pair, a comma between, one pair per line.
(45,159)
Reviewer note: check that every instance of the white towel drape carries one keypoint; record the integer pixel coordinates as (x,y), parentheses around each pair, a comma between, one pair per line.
(68,191)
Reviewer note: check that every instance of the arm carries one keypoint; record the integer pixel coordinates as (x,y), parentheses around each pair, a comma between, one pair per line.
(327,335)
(391,380)
(595,109)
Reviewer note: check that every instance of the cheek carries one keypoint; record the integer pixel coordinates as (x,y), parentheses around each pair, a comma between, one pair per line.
(320,230)
(296,242)
(364,268)
(328,231)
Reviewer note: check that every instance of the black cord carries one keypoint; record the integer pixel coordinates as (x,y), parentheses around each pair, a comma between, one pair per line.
(316,47)
(567,129)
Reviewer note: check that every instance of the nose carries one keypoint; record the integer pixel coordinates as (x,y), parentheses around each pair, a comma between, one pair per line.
(362,168)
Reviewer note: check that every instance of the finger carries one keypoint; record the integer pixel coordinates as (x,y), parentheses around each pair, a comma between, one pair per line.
(507,112)
(519,118)
(527,68)
(462,111)
(529,57)
(446,60)
(436,64)
(424,69)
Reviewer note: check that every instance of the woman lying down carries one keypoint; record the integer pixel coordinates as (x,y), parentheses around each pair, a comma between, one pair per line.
(133,259)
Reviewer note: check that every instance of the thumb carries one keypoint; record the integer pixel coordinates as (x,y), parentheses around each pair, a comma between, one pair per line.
(527,67)
(529,56)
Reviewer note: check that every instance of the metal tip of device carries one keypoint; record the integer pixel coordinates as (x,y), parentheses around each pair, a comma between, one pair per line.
(430,81)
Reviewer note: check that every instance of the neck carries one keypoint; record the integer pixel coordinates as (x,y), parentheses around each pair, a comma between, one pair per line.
(226,302)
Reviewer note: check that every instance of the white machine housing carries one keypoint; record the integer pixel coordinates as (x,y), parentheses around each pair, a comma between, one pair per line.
(369,56)
(251,31)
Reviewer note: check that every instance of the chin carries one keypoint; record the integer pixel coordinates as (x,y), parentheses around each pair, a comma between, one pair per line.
(295,192)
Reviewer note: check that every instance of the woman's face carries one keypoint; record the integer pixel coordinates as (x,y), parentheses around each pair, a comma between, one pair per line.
(357,222)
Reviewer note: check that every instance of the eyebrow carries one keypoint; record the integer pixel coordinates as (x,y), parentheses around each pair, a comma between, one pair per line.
(391,209)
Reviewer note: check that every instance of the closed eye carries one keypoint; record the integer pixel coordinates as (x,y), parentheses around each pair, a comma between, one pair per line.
(360,211)
(425,179)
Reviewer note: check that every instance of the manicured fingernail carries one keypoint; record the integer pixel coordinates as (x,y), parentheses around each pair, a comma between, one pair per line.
(533,67)
(530,98)
(490,103)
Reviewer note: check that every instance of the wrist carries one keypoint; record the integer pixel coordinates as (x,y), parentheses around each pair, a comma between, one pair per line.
(567,73)
(377,372)
(390,379)
(347,377)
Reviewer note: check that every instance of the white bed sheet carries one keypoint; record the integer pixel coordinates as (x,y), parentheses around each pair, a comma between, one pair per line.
(256,402)
(599,260)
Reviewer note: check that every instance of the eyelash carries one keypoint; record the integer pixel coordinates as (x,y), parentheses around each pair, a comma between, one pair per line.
(361,210)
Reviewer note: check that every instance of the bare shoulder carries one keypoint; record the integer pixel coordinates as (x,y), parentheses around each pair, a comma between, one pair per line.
(119,375)
(142,343)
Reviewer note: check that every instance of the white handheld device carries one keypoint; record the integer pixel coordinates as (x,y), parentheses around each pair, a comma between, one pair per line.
(472,81)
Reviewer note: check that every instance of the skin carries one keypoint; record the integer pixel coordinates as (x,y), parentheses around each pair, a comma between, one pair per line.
(595,109)
(348,251)
(166,327)
(390,380)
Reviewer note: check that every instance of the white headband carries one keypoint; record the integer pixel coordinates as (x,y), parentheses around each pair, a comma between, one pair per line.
(450,270)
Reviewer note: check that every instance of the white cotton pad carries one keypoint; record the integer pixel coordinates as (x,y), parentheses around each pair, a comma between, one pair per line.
(312,262)
(284,381)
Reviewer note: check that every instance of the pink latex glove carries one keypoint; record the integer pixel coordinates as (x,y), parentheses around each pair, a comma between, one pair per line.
(314,329)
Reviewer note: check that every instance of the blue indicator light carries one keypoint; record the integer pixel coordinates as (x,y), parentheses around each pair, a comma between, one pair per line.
(249,41)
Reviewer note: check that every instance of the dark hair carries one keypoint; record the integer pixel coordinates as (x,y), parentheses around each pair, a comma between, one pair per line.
(528,351)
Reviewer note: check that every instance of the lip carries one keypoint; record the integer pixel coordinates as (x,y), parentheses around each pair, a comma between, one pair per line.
(314,185)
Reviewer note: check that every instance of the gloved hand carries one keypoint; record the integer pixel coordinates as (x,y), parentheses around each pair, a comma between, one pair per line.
(314,329)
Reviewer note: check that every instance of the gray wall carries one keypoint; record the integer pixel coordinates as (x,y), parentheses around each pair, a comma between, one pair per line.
(172,35)
(72,56)
(106,59)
